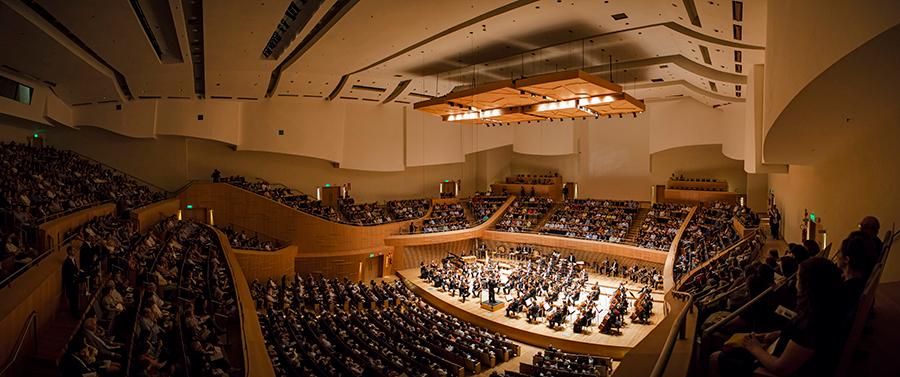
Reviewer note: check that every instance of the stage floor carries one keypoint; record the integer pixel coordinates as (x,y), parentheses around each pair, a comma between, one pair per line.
(591,340)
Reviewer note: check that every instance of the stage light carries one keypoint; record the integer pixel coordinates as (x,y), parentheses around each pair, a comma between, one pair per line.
(620,116)
(635,114)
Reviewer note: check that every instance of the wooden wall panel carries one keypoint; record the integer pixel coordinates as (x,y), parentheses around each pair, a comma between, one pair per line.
(149,215)
(347,264)
(412,255)
(39,289)
(55,229)
(256,356)
(694,197)
(317,239)
(742,230)
(622,251)
(263,265)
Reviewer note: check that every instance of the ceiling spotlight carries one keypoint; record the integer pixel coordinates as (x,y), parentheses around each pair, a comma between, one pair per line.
(620,115)
(635,114)
(597,116)
(610,116)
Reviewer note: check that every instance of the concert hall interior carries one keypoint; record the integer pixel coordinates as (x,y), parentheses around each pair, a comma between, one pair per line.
(449,188)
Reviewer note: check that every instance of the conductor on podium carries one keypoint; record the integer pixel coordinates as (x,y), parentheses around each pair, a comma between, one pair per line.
(492,283)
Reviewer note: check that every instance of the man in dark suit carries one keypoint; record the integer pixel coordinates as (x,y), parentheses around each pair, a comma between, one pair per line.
(70,279)
(90,254)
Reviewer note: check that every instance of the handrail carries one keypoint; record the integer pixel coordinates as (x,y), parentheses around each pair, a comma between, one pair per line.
(70,211)
(5,282)
(688,275)
(277,244)
(677,329)
(736,313)
(672,257)
(32,320)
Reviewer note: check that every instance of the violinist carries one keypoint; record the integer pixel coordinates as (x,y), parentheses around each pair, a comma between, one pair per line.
(558,316)
(533,312)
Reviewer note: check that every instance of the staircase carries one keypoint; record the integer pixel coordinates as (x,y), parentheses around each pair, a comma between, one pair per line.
(52,341)
(635,227)
(557,203)
(467,210)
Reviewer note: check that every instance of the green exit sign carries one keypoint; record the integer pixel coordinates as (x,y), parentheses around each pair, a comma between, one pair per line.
(190,206)
(371,255)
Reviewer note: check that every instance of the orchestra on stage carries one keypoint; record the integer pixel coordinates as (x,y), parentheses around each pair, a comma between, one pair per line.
(546,288)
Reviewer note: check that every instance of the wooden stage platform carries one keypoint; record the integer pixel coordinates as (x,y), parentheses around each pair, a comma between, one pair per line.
(540,335)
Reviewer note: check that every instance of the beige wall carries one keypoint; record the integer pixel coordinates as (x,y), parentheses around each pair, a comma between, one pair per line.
(700,161)
(806,37)
(857,182)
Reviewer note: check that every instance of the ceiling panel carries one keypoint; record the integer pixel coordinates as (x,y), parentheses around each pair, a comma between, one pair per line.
(31,51)
(236,32)
(112,30)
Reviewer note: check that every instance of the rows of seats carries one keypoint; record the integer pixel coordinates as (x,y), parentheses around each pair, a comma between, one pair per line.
(484,204)
(730,273)
(39,184)
(553,362)
(104,338)
(592,219)
(661,225)
(409,209)
(285,196)
(811,302)
(331,327)
(709,233)
(206,303)
(523,213)
(243,241)
(363,214)
(446,217)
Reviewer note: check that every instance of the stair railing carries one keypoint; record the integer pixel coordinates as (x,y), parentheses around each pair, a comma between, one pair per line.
(31,321)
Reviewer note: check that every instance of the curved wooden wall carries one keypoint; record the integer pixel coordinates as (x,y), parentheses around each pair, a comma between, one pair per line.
(262,265)
(668,270)
(147,216)
(39,289)
(625,251)
(256,357)
(323,246)
(452,236)
(55,229)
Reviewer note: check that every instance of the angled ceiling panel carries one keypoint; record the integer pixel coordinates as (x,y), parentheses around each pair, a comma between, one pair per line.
(73,79)
(112,29)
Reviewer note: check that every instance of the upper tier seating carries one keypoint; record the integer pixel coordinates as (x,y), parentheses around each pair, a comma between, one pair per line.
(661,224)
(40,184)
(286,197)
(524,212)
(484,204)
(592,219)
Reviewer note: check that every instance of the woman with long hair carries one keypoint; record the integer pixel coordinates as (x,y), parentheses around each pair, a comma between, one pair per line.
(805,343)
